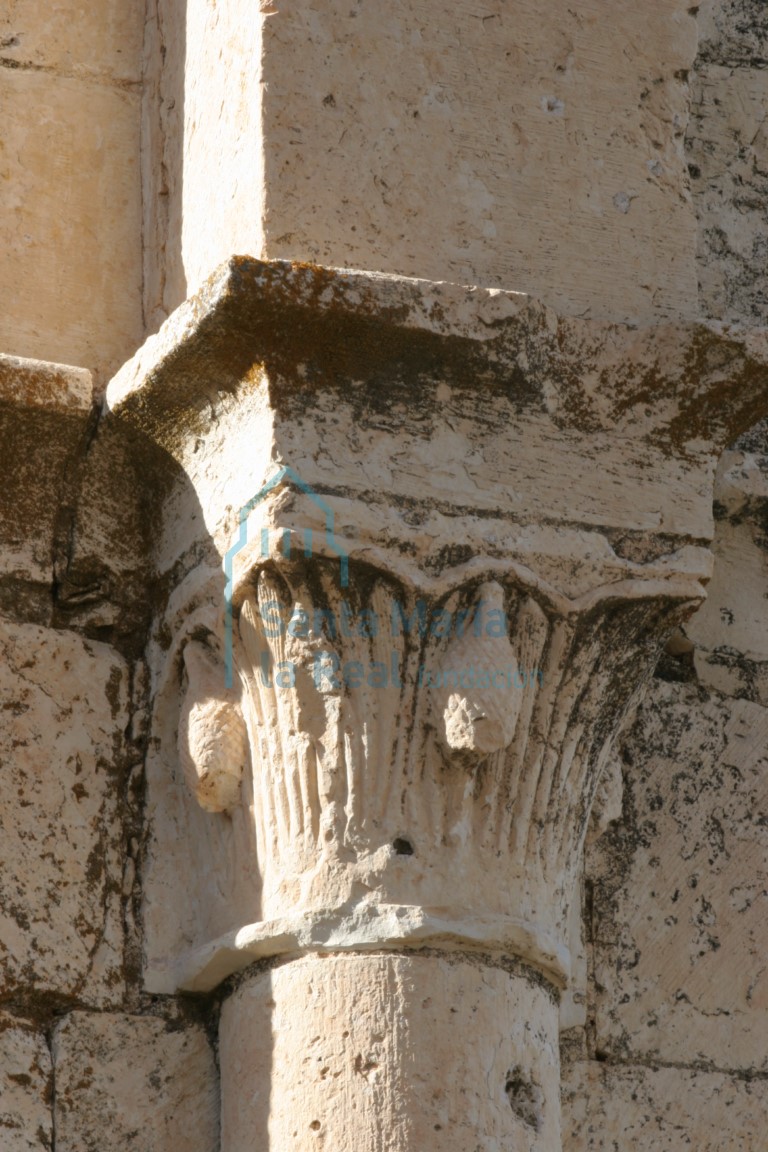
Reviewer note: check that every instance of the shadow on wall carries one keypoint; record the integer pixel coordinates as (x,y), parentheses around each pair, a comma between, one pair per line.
(678,885)
(203,864)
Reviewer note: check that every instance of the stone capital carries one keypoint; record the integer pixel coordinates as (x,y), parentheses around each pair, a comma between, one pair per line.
(419,546)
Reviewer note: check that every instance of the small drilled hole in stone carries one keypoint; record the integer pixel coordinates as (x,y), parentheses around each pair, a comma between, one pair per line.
(315,1125)
(402,847)
(526,1099)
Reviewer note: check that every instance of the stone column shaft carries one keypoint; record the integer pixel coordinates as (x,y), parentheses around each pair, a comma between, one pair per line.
(390,1052)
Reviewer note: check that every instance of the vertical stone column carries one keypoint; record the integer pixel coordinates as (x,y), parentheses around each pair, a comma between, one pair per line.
(421,545)
(391,1052)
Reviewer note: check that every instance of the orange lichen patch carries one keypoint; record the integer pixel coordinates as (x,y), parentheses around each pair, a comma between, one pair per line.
(39,384)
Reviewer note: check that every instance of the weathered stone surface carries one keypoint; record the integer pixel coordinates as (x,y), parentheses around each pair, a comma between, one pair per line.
(95,41)
(75,519)
(483,130)
(468,444)
(45,413)
(727,149)
(70,279)
(133,1084)
(38,384)
(26,1088)
(635,1109)
(483,388)
(481,384)
(202,152)
(476,144)
(61,731)
(605,809)
(733,32)
(727,153)
(162,169)
(392,1054)
(730,630)
(102,585)
(223,132)
(679,916)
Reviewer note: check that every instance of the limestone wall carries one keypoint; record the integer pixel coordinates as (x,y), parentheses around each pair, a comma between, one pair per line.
(610,159)
(528,145)
(70,227)
(672,1053)
(727,150)
(87,1062)
(675,928)
(202,146)
(672,1049)
(521,145)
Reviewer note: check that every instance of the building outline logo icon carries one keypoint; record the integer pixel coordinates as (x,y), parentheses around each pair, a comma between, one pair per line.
(283,473)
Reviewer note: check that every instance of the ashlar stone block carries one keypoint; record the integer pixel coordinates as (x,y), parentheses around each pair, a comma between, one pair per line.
(26,1088)
(71,275)
(133,1084)
(680,887)
(636,1109)
(64,711)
